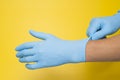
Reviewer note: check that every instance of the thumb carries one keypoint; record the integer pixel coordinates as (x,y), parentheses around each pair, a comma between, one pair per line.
(94,26)
(40,35)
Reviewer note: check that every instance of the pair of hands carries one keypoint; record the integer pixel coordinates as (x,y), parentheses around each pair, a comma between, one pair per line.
(52,51)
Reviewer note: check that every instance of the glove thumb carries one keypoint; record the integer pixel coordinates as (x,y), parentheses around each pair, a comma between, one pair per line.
(41,35)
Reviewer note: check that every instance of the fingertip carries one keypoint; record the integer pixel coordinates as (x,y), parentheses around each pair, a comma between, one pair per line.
(28,66)
(17,55)
(31,31)
(90,32)
(34,33)
(22,60)
(18,48)
(39,35)
(94,38)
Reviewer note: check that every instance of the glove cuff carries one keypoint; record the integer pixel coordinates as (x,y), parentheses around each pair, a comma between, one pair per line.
(81,55)
(83,49)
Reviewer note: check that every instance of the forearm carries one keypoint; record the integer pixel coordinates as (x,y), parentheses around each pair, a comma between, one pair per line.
(103,50)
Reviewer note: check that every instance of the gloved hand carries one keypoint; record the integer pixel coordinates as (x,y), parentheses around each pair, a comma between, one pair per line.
(101,27)
(51,51)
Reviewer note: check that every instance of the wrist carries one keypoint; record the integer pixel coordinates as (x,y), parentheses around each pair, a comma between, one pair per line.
(90,50)
(80,55)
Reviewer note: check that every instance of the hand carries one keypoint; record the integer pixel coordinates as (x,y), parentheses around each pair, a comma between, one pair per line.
(101,27)
(51,51)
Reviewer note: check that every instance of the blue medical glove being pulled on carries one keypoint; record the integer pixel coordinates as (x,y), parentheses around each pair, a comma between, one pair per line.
(101,27)
(51,51)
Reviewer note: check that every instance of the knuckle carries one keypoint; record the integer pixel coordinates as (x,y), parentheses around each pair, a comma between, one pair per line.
(23,59)
(37,56)
(27,59)
(18,55)
(95,20)
(22,52)
(20,60)
(107,22)
(41,51)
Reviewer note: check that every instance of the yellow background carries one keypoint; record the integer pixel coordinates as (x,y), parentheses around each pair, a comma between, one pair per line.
(67,19)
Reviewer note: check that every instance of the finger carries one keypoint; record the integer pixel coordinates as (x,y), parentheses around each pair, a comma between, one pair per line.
(100,34)
(27,45)
(41,35)
(33,66)
(94,26)
(28,59)
(24,53)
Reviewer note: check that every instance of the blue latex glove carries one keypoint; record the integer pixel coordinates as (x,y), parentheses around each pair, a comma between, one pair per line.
(101,27)
(51,51)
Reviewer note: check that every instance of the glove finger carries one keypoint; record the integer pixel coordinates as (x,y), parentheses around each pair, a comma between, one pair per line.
(100,34)
(29,52)
(34,66)
(27,45)
(28,59)
(94,26)
(41,35)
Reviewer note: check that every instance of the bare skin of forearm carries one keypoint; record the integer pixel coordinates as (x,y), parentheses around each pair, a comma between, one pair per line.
(103,50)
